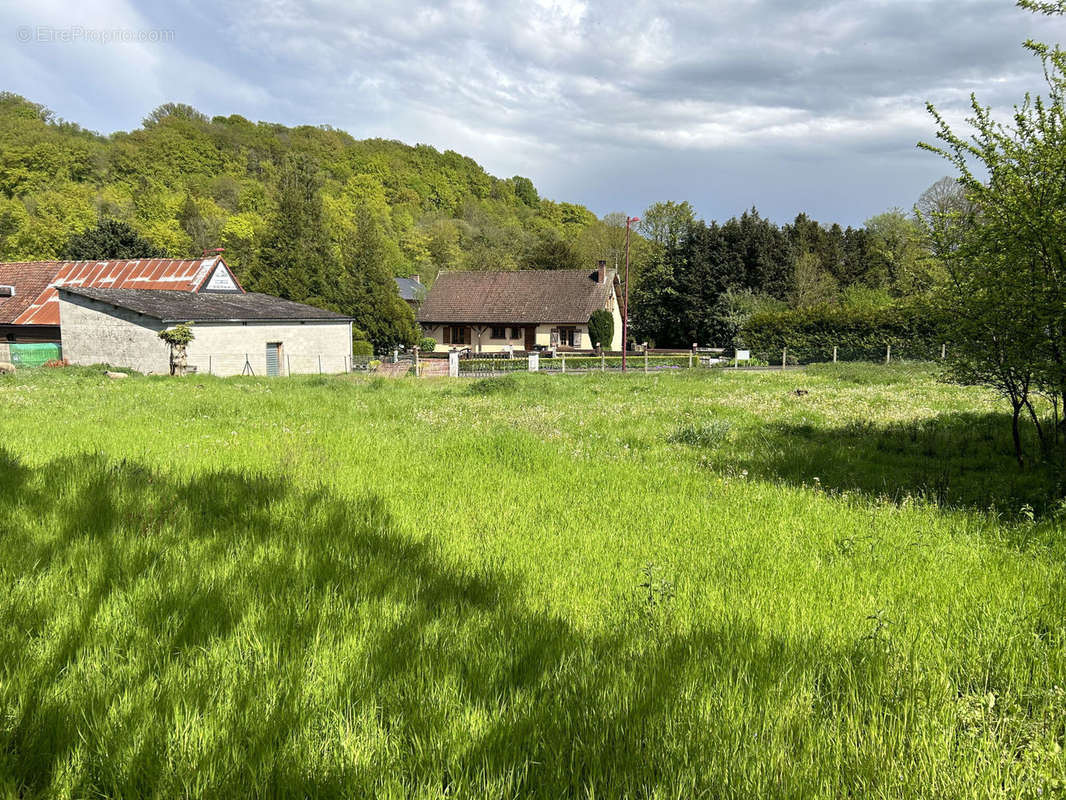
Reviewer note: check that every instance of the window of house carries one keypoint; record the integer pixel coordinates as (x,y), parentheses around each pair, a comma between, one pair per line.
(455,334)
(516,333)
(566,337)
(499,333)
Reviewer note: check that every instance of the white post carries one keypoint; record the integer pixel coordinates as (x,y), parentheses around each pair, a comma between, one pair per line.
(209,359)
(453,364)
(888,353)
(534,362)
(645,357)
(943,351)
(784,357)
(416,360)
(690,359)
(834,354)
(563,357)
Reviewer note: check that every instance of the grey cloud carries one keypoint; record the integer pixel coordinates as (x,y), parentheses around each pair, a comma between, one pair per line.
(790,104)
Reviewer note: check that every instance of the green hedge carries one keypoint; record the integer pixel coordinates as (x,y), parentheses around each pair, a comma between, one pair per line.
(913,332)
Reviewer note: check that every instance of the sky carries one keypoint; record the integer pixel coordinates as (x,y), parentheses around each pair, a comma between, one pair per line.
(784,105)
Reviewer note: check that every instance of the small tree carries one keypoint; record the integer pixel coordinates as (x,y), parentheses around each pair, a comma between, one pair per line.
(428,344)
(601,328)
(178,338)
(1004,251)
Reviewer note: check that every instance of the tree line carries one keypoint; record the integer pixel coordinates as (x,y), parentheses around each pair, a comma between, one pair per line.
(702,280)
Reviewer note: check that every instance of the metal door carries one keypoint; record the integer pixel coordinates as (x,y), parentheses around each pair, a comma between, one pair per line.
(273,358)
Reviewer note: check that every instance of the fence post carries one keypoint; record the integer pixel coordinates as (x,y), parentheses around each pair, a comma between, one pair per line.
(690,352)
(834,354)
(534,362)
(319,363)
(209,364)
(562,357)
(288,365)
(943,351)
(416,360)
(603,358)
(888,353)
(453,363)
(784,357)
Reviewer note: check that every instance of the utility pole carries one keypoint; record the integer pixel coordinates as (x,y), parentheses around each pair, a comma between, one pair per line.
(625,311)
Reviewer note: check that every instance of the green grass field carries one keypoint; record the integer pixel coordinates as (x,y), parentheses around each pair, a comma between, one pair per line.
(668,586)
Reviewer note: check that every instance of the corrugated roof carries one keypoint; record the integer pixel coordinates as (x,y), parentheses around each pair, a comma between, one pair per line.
(42,308)
(524,297)
(30,279)
(170,306)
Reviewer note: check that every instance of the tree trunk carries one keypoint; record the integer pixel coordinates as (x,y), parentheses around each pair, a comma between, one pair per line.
(1017,435)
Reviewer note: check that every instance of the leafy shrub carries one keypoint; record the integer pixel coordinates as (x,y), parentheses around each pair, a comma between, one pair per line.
(362,348)
(501,384)
(701,434)
(601,328)
(373,365)
(858,333)
(428,344)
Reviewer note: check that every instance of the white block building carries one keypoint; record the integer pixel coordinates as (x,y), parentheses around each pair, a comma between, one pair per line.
(236,332)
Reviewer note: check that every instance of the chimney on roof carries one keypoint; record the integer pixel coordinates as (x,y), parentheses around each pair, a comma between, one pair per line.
(601,276)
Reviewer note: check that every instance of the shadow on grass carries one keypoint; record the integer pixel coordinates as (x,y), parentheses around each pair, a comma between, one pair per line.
(957,460)
(231,635)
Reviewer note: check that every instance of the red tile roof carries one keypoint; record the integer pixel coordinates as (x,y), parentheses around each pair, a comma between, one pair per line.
(36,301)
(523,297)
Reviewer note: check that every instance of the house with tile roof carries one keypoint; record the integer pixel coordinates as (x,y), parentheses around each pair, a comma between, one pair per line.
(113,311)
(525,310)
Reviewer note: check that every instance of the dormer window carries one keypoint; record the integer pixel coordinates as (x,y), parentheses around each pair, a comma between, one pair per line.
(7,291)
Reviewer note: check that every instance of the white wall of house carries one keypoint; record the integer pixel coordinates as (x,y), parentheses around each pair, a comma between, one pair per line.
(97,333)
(306,347)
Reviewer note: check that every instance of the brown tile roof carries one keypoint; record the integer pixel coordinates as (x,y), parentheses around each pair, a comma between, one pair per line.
(566,296)
(170,306)
(35,282)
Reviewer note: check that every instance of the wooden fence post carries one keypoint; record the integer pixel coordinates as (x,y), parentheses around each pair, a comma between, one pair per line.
(603,360)
(834,354)
(288,365)
(888,353)
(784,357)
(562,356)
(645,357)
(943,351)
(319,363)
(209,360)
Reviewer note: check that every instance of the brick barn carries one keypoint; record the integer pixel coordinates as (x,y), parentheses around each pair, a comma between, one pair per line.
(111,312)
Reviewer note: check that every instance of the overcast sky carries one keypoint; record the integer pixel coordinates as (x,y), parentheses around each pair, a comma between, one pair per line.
(787,105)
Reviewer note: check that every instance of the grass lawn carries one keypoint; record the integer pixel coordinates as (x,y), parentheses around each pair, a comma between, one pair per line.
(667,586)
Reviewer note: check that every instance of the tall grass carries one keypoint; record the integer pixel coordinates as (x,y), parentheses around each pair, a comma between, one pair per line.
(601,585)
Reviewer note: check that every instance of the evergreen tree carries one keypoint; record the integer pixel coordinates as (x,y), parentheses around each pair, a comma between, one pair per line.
(296,259)
(109,239)
(367,290)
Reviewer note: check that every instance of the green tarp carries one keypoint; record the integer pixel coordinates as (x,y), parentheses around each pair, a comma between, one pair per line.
(34,355)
